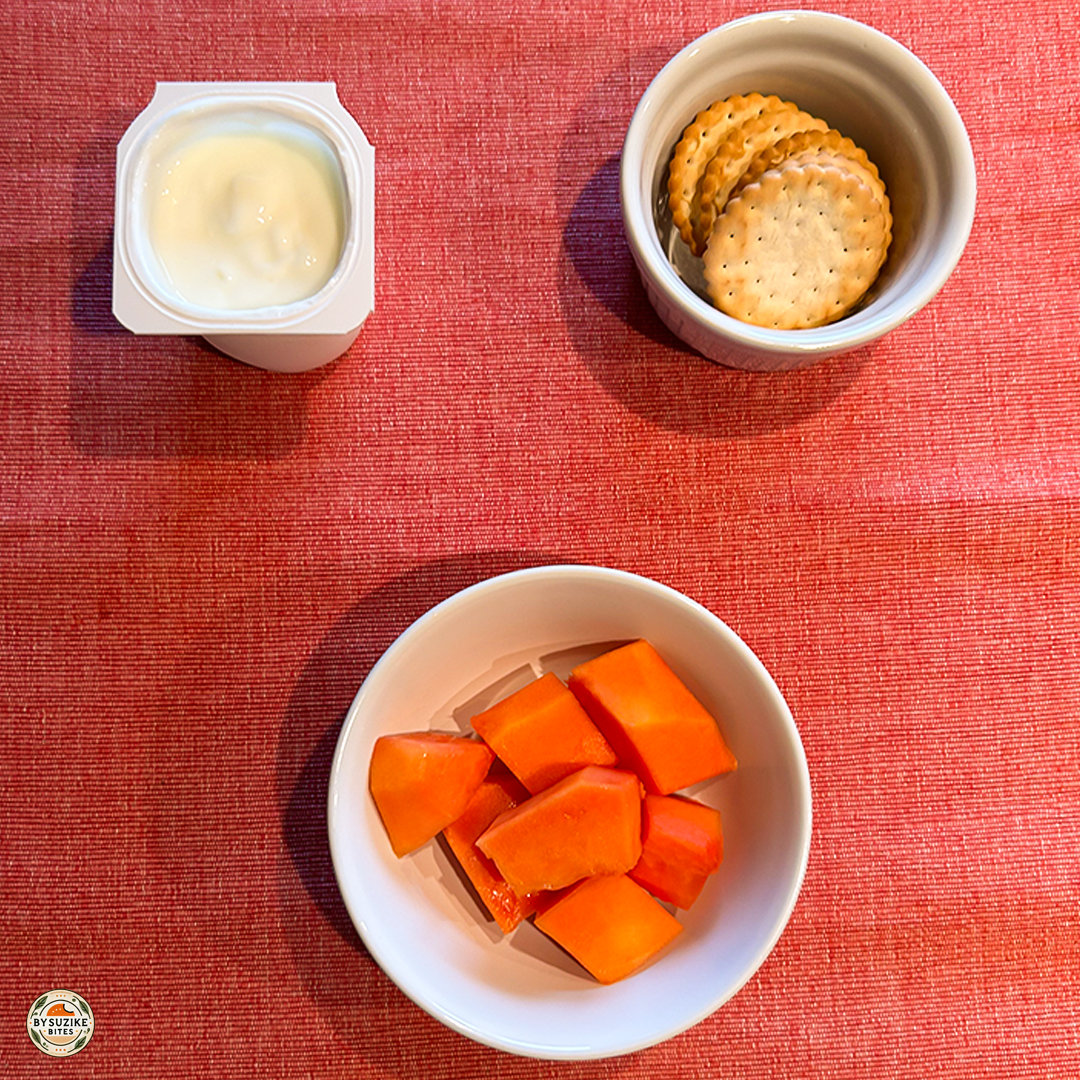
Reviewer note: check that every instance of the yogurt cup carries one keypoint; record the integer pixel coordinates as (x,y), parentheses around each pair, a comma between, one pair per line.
(290,331)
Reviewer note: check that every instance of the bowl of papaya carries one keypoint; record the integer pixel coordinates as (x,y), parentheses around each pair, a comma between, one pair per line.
(449,907)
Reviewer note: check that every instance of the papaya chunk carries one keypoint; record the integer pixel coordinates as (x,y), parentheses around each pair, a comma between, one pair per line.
(651,719)
(499,792)
(422,781)
(681,845)
(586,824)
(542,734)
(610,925)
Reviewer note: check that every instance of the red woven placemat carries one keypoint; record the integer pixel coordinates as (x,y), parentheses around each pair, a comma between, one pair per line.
(200,561)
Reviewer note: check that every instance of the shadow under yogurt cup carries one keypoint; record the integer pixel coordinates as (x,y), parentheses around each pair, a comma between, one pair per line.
(865,85)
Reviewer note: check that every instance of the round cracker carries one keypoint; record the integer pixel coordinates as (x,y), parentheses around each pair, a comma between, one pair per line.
(740,148)
(829,141)
(700,141)
(797,249)
(869,176)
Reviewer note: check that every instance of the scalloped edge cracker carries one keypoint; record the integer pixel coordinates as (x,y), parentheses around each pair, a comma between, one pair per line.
(697,147)
(739,149)
(796,249)
(869,176)
(829,141)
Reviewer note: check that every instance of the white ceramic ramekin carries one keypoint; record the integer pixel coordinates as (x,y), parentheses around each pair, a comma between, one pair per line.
(296,336)
(862,83)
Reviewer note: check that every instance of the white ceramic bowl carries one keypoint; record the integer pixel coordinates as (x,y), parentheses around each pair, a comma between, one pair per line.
(861,82)
(521,993)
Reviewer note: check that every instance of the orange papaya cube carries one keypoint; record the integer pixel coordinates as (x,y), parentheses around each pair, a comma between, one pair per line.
(610,925)
(652,721)
(422,781)
(681,845)
(542,734)
(498,793)
(586,824)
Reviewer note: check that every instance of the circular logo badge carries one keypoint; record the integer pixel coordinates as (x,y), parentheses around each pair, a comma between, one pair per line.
(60,1023)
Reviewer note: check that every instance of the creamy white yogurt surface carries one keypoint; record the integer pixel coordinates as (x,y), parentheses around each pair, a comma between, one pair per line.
(245,210)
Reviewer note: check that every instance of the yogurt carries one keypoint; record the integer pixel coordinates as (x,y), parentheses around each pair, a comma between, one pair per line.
(245,215)
(245,210)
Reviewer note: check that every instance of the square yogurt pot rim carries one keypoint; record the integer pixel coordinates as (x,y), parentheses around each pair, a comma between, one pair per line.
(338,307)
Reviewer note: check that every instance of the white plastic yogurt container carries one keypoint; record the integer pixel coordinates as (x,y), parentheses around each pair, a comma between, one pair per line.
(245,214)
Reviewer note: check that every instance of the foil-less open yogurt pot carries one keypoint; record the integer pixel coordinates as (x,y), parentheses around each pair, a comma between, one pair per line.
(245,215)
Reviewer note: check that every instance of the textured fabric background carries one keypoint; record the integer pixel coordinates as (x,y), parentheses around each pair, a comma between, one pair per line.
(199,561)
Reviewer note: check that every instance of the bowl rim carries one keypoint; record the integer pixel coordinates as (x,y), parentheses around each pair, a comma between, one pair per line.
(800,769)
(845,334)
